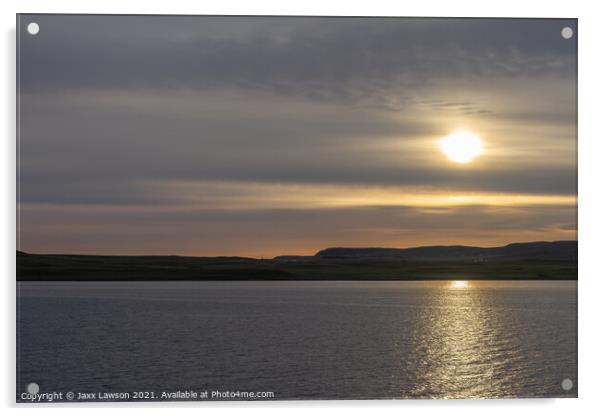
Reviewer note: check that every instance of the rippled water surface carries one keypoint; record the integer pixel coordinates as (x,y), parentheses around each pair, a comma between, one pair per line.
(354,340)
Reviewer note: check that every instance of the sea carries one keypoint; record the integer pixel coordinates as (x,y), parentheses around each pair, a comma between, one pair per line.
(295,340)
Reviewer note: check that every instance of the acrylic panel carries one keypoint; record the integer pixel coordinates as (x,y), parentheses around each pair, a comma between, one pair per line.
(292,208)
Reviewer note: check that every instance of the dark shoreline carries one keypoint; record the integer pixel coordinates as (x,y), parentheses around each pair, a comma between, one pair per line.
(35,267)
(305,280)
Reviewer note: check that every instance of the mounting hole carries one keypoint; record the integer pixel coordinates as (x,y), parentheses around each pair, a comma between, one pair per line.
(33,388)
(33,28)
(566,32)
(567,384)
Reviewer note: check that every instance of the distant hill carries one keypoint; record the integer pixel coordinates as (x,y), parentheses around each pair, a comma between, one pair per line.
(521,261)
(540,250)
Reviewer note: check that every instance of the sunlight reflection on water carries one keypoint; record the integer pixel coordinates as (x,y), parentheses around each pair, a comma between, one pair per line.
(459,284)
(471,347)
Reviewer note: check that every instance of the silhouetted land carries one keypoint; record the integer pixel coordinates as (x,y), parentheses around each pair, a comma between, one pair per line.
(524,261)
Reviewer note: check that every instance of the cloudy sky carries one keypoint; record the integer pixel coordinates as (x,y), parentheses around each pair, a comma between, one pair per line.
(262,136)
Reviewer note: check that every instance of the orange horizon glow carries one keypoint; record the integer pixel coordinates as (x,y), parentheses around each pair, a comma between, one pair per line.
(272,252)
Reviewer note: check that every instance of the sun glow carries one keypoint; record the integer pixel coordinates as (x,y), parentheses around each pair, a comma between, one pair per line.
(461,146)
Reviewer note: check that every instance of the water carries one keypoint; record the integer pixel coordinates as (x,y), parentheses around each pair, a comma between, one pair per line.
(300,340)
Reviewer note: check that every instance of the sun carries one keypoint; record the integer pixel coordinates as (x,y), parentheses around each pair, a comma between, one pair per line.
(461,146)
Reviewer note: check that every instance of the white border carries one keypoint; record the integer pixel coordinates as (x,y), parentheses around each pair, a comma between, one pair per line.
(590,201)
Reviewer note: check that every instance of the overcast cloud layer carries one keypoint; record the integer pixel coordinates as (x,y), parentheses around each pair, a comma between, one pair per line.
(259,136)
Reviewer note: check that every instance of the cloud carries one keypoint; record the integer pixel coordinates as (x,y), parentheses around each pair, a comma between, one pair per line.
(350,60)
(190,134)
(270,232)
(113,148)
